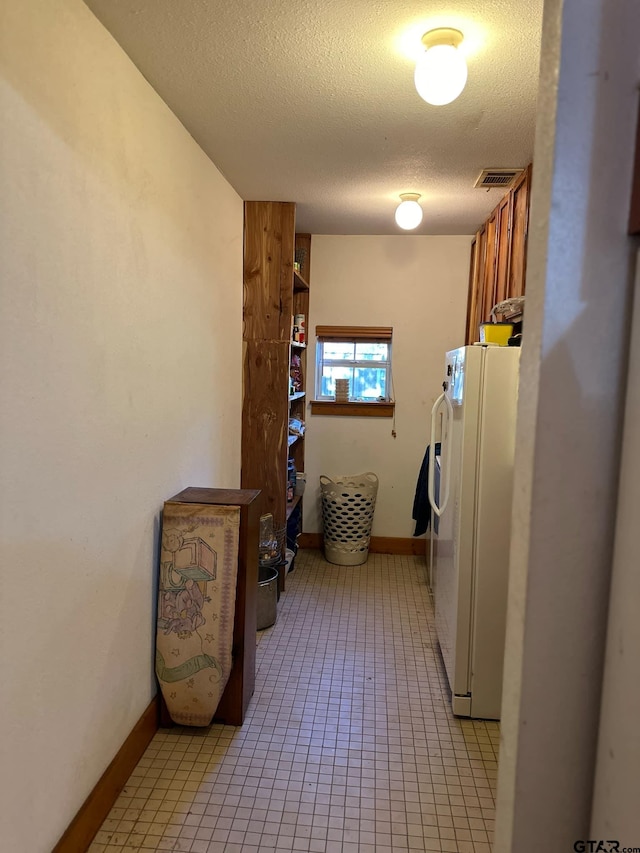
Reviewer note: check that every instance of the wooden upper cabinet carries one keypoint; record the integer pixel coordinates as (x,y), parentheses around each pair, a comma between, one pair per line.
(472,297)
(489,287)
(503,249)
(476,284)
(519,232)
(499,256)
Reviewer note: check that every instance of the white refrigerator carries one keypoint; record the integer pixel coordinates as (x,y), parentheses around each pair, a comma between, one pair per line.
(475,418)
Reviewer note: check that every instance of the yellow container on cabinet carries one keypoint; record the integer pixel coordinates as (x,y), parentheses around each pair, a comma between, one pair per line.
(496,333)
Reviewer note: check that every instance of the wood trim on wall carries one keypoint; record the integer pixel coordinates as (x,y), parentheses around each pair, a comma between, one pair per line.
(353,408)
(408,546)
(92,813)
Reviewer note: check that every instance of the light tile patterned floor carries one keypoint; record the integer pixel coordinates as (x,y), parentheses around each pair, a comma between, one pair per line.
(349,743)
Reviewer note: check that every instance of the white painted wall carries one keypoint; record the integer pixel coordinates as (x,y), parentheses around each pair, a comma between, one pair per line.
(570,412)
(419,286)
(120,381)
(615,801)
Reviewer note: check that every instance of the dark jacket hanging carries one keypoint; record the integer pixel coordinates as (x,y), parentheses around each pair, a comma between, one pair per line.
(421,506)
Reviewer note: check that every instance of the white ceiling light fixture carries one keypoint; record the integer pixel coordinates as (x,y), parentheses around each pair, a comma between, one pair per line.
(441,70)
(409,212)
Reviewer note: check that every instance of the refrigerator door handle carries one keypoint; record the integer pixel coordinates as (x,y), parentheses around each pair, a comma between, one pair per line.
(444,397)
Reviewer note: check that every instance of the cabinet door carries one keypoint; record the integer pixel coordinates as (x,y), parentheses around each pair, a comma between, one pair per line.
(503,248)
(476,283)
(519,230)
(471,297)
(489,288)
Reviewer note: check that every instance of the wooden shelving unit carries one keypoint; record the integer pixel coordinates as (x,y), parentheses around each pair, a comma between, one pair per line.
(301,306)
(291,506)
(300,284)
(273,294)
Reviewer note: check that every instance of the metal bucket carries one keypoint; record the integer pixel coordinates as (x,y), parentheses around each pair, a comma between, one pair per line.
(267,596)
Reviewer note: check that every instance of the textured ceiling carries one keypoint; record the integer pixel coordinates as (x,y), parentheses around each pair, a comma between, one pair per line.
(313,101)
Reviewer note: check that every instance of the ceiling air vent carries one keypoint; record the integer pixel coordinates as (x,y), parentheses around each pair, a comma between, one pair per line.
(497,178)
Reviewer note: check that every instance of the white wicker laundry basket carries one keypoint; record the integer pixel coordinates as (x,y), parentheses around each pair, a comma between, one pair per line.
(348,504)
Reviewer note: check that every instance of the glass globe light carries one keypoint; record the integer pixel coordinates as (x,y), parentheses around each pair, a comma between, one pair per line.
(409,212)
(441,71)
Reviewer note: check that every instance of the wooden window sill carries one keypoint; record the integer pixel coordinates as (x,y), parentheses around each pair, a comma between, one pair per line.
(353,409)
